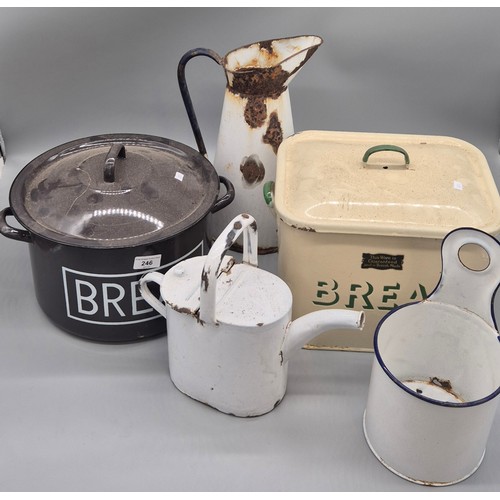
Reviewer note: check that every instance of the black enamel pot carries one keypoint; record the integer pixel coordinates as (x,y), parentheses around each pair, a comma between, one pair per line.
(97,214)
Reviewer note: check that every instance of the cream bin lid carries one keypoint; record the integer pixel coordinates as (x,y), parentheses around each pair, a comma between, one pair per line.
(412,185)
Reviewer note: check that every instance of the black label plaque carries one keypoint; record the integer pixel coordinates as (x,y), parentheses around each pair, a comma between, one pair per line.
(382,261)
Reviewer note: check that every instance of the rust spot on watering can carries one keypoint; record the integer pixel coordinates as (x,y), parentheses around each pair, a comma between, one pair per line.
(253,225)
(252,169)
(183,310)
(186,310)
(231,235)
(274,132)
(204,280)
(262,250)
(239,248)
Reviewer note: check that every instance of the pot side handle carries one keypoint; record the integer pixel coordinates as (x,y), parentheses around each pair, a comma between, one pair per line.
(188,104)
(243,223)
(12,232)
(227,198)
(156,277)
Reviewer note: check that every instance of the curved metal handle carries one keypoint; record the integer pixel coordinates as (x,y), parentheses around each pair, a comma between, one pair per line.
(12,232)
(117,150)
(243,223)
(386,147)
(156,277)
(188,104)
(227,198)
(471,290)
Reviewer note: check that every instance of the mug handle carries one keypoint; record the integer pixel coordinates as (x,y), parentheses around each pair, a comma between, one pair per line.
(469,289)
(188,104)
(242,223)
(148,296)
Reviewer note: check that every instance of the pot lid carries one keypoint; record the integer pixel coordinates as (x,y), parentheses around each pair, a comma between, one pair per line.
(384,184)
(114,190)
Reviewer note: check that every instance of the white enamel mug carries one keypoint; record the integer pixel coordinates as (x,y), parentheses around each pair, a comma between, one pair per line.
(436,373)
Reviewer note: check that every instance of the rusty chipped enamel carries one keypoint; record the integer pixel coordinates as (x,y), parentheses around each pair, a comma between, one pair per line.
(256,118)
(230,334)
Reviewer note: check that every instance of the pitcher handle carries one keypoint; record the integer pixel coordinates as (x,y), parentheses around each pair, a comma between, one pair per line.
(188,104)
(469,289)
(242,223)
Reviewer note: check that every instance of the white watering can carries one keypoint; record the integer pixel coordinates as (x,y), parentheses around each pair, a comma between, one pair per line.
(230,334)
(436,373)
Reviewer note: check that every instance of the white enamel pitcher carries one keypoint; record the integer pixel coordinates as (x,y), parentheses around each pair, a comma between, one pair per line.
(229,331)
(436,374)
(256,117)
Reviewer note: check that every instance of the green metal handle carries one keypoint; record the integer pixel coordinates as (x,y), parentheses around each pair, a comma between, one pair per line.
(386,147)
(268,191)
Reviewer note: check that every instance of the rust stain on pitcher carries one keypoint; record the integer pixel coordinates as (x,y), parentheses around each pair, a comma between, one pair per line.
(264,82)
(274,132)
(255,111)
(252,169)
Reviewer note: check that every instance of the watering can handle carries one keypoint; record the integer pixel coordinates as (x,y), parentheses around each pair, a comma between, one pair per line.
(243,223)
(188,104)
(463,287)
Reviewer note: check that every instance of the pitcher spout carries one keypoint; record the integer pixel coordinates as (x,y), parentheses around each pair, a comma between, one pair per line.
(305,328)
(267,67)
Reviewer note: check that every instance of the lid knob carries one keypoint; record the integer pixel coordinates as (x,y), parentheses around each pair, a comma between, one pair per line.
(117,150)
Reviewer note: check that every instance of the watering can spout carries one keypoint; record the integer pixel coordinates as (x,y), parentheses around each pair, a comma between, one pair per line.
(305,328)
